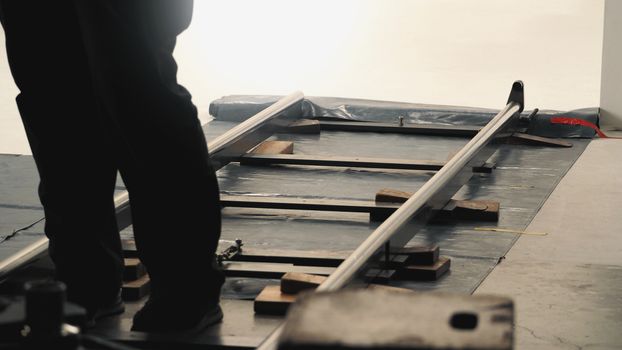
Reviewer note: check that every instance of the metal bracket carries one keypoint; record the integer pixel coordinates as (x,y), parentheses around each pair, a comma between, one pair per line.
(517,95)
(229,252)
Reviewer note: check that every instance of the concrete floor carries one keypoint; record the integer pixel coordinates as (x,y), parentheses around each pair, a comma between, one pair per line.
(567,285)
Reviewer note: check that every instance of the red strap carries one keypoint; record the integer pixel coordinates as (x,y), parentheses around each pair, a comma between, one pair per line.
(576,121)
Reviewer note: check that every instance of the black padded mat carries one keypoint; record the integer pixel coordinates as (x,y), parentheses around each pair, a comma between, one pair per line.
(524,178)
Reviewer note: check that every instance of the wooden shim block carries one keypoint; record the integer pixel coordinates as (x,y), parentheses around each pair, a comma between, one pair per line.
(274,147)
(526,139)
(133,269)
(136,290)
(483,210)
(296,282)
(485,168)
(379,276)
(478,210)
(419,255)
(271,301)
(387,195)
(304,126)
(396,261)
(424,272)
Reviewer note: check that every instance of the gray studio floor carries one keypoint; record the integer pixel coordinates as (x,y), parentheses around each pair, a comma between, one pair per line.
(567,285)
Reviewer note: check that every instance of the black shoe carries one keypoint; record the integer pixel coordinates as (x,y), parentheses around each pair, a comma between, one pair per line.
(115,307)
(159,316)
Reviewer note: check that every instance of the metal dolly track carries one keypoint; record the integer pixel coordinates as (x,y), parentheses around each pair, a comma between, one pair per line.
(395,231)
(406,221)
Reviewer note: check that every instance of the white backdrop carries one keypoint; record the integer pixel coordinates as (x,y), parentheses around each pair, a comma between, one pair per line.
(452,52)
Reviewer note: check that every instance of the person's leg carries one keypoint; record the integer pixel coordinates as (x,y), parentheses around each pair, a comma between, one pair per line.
(57,106)
(173,189)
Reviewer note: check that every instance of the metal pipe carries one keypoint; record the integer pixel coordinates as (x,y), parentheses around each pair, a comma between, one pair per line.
(404,223)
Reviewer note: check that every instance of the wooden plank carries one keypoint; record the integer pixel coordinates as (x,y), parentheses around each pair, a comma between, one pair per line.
(353,162)
(270,271)
(274,147)
(319,260)
(296,282)
(271,301)
(518,138)
(136,290)
(338,161)
(304,126)
(424,272)
(419,255)
(269,202)
(249,254)
(422,129)
(377,211)
(133,269)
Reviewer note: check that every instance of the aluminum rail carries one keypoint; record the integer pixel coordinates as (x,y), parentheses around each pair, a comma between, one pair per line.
(230,145)
(248,134)
(235,142)
(23,256)
(404,223)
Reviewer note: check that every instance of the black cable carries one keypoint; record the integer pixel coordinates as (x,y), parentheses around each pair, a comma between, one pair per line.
(6,238)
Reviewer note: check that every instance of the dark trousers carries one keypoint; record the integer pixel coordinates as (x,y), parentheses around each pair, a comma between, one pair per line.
(99,93)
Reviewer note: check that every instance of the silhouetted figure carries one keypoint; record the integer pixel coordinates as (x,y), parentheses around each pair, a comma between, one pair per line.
(99,93)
